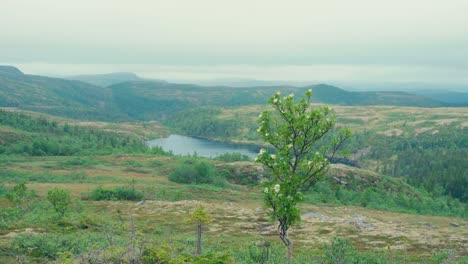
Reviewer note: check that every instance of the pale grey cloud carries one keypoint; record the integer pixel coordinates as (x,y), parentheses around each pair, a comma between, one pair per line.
(414,35)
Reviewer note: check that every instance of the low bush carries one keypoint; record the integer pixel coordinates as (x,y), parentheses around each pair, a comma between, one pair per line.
(196,172)
(232,157)
(60,200)
(3,190)
(118,193)
(167,253)
(51,246)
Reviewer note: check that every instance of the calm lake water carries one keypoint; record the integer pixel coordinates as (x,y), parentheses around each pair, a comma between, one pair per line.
(183,145)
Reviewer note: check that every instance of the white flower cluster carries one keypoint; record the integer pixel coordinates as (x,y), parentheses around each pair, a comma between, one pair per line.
(276,188)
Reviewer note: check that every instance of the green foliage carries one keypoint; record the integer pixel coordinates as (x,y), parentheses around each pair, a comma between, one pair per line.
(52,246)
(436,162)
(41,137)
(340,251)
(387,195)
(79,161)
(19,195)
(9,216)
(196,172)
(200,216)
(60,200)
(3,190)
(119,193)
(22,176)
(232,157)
(295,131)
(170,254)
(203,122)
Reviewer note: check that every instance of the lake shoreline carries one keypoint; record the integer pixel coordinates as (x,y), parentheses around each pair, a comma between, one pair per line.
(206,147)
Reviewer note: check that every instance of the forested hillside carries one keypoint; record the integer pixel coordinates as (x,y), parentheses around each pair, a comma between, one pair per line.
(35,136)
(56,96)
(130,98)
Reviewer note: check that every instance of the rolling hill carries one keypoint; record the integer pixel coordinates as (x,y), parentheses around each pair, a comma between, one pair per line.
(153,99)
(452,97)
(147,100)
(108,79)
(55,96)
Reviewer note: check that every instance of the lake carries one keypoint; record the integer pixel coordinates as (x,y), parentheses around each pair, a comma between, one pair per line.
(183,145)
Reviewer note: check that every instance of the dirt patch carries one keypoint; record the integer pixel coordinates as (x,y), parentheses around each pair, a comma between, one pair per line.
(15,233)
(393,132)
(445,122)
(422,130)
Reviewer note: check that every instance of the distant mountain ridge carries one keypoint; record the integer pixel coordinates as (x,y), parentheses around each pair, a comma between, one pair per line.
(150,100)
(10,70)
(451,97)
(56,96)
(141,99)
(108,79)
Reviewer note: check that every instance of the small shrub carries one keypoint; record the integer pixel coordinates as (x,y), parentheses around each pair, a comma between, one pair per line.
(51,246)
(232,157)
(19,195)
(168,253)
(3,190)
(197,172)
(340,251)
(118,193)
(79,161)
(60,200)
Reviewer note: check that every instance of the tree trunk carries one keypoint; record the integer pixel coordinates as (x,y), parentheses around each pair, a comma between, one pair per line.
(287,241)
(199,239)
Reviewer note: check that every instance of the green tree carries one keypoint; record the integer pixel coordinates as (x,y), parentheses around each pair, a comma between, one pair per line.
(60,200)
(19,195)
(302,154)
(200,217)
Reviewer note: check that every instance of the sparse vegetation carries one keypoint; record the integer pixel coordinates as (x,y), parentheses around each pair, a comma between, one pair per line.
(359,214)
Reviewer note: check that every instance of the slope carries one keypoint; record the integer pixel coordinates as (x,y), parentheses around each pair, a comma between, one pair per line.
(156,100)
(55,96)
(104,80)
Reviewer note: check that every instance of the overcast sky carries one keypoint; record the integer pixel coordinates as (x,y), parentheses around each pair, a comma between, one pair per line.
(361,40)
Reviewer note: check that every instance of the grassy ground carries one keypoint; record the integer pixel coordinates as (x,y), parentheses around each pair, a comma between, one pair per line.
(238,215)
(385,120)
(239,218)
